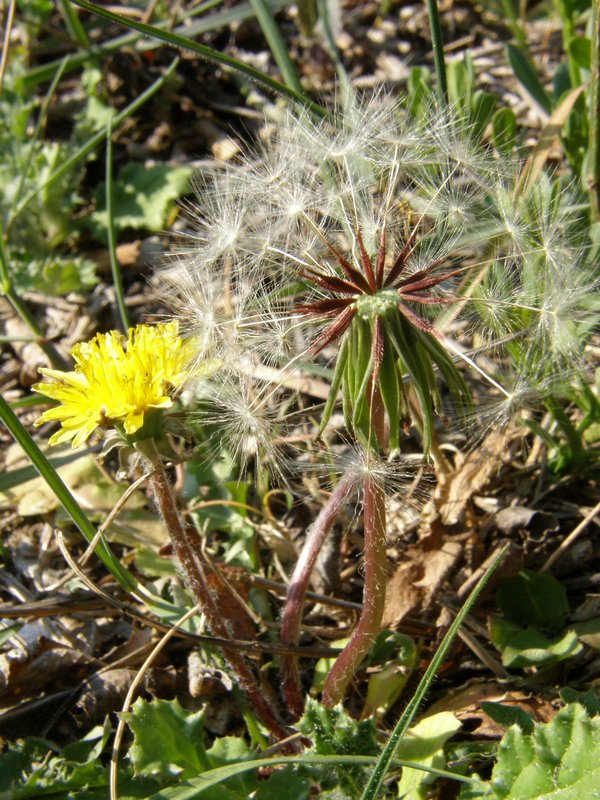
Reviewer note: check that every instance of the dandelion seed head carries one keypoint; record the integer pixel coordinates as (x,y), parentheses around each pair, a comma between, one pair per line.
(293,244)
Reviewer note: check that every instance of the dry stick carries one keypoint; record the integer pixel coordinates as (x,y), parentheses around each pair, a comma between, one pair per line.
(566,543)
(186,547)
(369,622)
(296,594)
(114,758)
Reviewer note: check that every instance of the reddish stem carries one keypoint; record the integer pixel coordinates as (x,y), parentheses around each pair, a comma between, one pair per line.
(369,623)
(186,547)
(296,594)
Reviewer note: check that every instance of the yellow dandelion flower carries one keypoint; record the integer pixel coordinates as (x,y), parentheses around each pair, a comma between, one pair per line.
(116,380)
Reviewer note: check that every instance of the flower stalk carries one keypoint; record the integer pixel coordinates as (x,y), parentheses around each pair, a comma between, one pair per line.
(367,628)
(186,545)
(298,586)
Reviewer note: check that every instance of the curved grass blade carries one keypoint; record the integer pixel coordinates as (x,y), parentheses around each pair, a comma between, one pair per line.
(386,758)
(71,506)
(215,777)
(221,19)
(175,40)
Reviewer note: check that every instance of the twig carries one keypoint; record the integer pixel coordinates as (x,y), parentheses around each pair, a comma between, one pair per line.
(114,758)
(566,543)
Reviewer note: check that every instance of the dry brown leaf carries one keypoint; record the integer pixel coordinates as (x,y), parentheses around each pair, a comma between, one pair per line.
(456,489)
(465,704)
(417,580)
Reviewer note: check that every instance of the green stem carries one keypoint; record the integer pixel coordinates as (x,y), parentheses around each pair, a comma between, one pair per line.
(186,545)
(112,239)
(594,149)
(438,49)
(369,623)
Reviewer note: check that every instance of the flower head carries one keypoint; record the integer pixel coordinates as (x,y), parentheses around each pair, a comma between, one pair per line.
(116,381)
(374,240)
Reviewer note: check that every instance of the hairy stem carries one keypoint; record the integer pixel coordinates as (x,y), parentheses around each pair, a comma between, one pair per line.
(186,546)
(369,622)
(296,594)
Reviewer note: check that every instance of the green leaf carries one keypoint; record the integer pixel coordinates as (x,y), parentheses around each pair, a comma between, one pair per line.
(168,740)
(424,744)
(526,74)
(589,700)
(142,197)
(527,647)
(34,768)
(284,784)
(334,732)
(52,275)
(535,599)
(396,654)
(169,745)
(483,107)
(559,760)
(580,50)
(508,715)
(460,83)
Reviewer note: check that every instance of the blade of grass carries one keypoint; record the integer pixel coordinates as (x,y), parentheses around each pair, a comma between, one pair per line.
(175,40)
(277,45)
(73,24)
(64,496)
(95,140)
(222,19)
(594,146)
(437,43)
(9,20)
(527,76)
(386,758)
(110,231)
(215,777)
(332,49)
